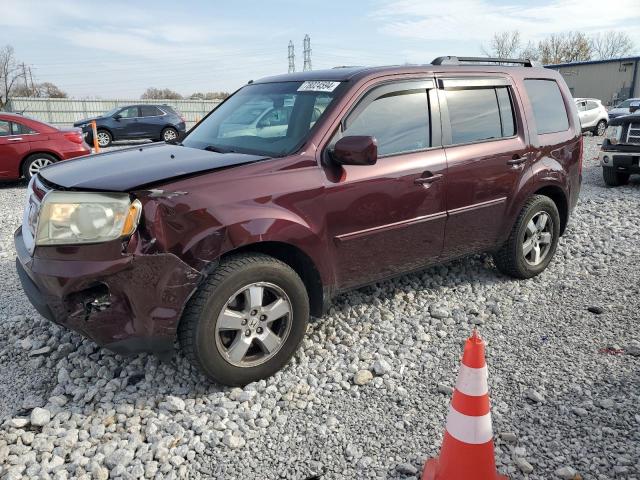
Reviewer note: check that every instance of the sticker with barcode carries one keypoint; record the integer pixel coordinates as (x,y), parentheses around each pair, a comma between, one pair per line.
(318,86)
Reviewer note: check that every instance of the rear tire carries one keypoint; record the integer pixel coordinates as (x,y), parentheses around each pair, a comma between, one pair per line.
(34,163)
(169,134)
(533,239)
(613,178)
(600,129)
(104,138)
(226,314)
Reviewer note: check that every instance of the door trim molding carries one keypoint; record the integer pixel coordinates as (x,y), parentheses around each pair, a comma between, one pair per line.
(476,206)
(345,237)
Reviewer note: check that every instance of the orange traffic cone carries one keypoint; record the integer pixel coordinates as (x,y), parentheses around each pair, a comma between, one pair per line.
(467,447)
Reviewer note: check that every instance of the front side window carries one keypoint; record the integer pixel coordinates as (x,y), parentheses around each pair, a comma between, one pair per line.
(271,119)
(5,129)
(479,114)
(548,106)
(398,120)
(130,112)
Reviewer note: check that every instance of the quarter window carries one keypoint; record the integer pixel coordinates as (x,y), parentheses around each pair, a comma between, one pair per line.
(480,114)
(399,121)
(548,106)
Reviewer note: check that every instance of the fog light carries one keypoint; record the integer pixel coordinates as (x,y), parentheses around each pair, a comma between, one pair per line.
(605,159)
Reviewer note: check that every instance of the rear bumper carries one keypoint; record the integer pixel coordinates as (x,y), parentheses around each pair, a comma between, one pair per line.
(623,161)
(129,304)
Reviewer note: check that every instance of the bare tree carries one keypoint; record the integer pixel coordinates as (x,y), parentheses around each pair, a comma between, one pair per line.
(39,90)
(160,94)
(9,74)
(530,51)
(209,95)
(503,45)
(565,47)
(611,45)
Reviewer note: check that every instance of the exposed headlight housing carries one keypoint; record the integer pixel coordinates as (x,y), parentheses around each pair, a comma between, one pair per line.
(69,218)
(613,134)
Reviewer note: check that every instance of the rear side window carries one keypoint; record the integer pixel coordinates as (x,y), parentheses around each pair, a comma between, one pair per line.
(591,105)
(19,129)
(548,106)
(480,114)
(149,111)
(399,121)
(5,129)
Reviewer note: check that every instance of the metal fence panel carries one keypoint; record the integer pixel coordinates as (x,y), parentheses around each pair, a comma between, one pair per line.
(66,111)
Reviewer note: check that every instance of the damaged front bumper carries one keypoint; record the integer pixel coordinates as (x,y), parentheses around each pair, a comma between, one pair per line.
(129,303)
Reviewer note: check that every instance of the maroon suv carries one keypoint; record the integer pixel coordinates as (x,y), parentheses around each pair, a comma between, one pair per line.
(294,189)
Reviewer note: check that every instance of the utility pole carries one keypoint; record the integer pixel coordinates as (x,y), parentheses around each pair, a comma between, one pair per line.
(33,89)
(307,53)
(24,76)
(292,58)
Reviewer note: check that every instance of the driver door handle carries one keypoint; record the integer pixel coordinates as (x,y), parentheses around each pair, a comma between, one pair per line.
(517,160)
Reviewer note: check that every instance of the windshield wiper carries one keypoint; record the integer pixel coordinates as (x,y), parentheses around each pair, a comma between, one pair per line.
(214,148)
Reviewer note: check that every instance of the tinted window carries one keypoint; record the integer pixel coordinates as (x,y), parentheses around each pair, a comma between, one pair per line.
(398,120)
(548,106)
(130,112)
(4,128)
(149,111)
(480,114)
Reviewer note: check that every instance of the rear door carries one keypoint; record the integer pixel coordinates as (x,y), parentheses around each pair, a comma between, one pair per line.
(151,121)
(487,152)
(389,218)
(13,148)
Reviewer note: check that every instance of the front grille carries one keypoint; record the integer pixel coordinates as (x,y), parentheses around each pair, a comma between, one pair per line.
(633,133)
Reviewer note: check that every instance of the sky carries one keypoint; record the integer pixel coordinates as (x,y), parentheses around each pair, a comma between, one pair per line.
(116,49)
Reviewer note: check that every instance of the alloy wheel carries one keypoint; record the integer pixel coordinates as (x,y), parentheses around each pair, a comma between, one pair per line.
(103,139)
(38,164)
(538,238)
(602,127)
(169,134)
(254,325)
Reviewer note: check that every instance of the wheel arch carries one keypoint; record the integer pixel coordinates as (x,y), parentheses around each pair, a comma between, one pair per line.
(299,261)
(557,195)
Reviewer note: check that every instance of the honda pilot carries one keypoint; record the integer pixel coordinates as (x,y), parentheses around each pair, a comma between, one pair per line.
(294,189)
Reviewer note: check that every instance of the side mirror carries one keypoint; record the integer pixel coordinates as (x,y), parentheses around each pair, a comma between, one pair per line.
(117,117)
(634,107)
(355,150)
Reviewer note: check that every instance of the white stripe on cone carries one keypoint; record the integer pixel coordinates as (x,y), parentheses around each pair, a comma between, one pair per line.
(472,381)
(468,429)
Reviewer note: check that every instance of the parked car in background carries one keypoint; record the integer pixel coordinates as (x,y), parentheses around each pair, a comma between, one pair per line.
(27,145)
(228,242)
(622,108)
(155,122)
(620,151)
(593,115)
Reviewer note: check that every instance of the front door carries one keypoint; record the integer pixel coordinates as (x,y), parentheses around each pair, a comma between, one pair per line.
(13,148)
(487,152)
(389,218)
(127,125)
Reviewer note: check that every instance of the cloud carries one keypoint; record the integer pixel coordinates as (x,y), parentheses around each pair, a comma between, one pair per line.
(477,20)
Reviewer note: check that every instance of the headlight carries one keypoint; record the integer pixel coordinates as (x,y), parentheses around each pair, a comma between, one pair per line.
(613,134)
(76,217)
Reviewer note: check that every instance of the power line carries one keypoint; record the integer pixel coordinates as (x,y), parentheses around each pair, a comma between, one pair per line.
(307,53)
(292,58)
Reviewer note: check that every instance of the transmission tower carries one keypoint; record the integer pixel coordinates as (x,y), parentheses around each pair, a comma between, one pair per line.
(292,58)
(307,53)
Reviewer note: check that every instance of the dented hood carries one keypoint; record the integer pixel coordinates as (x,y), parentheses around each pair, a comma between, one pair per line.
(129,168)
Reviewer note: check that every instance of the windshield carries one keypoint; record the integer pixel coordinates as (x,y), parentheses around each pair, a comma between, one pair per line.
(271,119)
(625,104)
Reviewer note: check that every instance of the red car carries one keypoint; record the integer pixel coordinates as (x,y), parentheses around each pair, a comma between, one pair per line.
(27,145)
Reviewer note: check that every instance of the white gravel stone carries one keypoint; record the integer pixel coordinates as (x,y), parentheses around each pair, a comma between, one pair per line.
(40,417)
(362,377)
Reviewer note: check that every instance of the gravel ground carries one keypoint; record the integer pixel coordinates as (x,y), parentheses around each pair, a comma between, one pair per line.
(564,381)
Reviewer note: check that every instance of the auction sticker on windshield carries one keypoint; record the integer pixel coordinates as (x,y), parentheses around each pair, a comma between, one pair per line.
(318,86)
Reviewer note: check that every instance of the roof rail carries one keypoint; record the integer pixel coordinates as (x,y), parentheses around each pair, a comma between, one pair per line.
(450,60)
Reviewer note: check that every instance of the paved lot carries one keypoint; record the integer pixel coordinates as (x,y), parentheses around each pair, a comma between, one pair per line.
(564,381)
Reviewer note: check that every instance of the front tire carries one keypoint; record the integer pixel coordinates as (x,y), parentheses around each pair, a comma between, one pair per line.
(613,178)
(104,138)
(36,162)
(246,321)
(601,128)
(533,239)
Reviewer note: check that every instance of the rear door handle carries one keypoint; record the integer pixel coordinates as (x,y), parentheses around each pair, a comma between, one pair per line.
(517,160)
(426,181)
(14,139)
